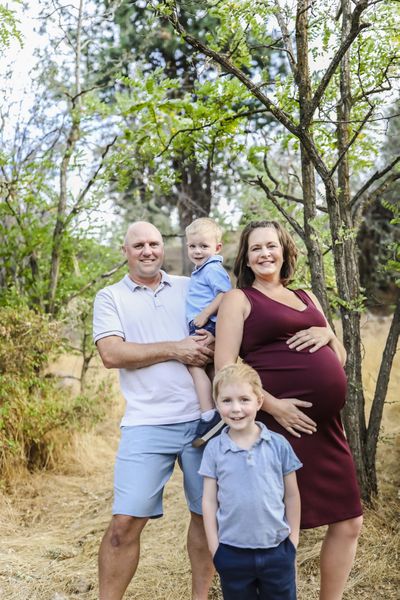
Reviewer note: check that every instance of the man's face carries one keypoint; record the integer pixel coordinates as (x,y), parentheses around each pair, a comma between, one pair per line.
(144,250)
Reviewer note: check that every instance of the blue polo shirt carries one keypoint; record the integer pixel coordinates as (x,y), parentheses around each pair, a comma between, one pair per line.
(251,511)
(206,282)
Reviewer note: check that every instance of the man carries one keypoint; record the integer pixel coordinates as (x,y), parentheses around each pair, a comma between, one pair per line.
(140,328)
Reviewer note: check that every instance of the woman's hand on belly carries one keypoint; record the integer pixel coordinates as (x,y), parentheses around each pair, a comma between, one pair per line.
(286,412)
(313,338)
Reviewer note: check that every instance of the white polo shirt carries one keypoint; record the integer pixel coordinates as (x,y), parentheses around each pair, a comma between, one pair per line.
(163,393)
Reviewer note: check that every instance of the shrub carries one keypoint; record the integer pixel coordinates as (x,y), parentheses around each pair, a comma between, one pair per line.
(34,408)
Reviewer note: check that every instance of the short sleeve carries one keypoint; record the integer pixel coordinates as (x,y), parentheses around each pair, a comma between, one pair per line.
(289,460)
(208,467)
(106,321)
(218,279)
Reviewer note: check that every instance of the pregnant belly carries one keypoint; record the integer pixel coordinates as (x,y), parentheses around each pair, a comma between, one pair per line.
(318,378)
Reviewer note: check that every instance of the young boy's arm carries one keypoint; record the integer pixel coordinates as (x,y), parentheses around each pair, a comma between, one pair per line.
(292,506)
(210,506)
(207,312)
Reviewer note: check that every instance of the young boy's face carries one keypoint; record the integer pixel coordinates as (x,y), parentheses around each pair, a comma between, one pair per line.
(238,404)
(201,246)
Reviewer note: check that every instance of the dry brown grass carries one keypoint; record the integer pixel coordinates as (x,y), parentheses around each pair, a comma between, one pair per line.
(51,525)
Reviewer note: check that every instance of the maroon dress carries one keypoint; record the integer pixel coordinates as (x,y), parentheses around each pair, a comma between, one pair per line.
(327,481)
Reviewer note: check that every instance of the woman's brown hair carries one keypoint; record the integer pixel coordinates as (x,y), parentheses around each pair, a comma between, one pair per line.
(244,275)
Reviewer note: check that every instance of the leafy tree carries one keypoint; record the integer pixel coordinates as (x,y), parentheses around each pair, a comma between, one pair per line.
(52,176)
(158,176)
(331,117)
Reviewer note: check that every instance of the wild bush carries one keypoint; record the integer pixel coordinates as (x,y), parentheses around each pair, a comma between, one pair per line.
(35,409)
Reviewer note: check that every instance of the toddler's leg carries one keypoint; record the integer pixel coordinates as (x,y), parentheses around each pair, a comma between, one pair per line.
(203,388)
(210,424)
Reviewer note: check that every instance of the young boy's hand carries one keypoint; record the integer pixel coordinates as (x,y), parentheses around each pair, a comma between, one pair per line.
(200,319)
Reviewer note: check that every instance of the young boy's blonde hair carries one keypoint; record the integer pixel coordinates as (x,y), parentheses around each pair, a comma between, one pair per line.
(238,372)
(202,225)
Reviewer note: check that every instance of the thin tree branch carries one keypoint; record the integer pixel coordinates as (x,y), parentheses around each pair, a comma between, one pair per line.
(355,30)
(229,67)
(247,113)
(375,177)
(353,139)
(272,196)
(287,42)
(89,184)
(94,281)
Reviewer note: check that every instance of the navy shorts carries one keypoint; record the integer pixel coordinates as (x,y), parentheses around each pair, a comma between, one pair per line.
(209,326)
(257,574)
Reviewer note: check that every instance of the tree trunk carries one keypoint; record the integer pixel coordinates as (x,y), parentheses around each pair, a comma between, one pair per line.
(73,136)
(302,75)
(378,402)
(345,250)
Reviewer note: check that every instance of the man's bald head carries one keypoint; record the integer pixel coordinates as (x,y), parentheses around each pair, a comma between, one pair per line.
(140,229)
(144,250)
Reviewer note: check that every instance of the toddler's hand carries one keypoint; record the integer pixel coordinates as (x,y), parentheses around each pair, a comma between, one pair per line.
(200,320)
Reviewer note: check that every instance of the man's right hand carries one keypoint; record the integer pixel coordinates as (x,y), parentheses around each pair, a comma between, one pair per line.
(190,352)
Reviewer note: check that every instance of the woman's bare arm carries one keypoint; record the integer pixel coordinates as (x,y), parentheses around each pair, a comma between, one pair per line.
(232,313)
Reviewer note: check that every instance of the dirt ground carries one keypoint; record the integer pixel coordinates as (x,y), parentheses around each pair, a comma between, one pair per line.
(51,523)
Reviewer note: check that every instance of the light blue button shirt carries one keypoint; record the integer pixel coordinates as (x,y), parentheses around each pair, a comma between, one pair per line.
(206,282)
(251,510)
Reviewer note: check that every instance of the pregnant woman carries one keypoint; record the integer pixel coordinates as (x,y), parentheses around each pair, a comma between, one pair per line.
(284,335)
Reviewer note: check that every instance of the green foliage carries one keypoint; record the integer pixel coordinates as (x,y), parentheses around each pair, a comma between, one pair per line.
(35,410)
(8,27)
(393,263)
(163,125)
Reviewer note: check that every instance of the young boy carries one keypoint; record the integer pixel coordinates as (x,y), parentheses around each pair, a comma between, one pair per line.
(251,502)
(208,283)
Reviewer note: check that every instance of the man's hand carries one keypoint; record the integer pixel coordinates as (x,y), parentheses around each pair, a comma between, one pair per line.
(194,350)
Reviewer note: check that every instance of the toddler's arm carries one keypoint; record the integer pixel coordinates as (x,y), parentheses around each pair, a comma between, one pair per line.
(292,506)
(210,506)
(207,312)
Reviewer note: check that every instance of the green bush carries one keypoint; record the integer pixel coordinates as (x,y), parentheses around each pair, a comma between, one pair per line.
(34,408)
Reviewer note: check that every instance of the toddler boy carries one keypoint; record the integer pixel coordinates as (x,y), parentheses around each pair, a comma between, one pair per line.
(208,283)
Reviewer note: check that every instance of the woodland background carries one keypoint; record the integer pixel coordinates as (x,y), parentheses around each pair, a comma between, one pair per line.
(167,111)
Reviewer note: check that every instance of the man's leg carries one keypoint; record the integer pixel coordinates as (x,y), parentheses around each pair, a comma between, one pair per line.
(200,558)
(119,555)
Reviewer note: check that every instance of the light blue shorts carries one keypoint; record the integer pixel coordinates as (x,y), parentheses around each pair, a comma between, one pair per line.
(145,462)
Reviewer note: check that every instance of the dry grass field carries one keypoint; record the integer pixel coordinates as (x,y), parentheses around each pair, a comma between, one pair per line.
(51,523)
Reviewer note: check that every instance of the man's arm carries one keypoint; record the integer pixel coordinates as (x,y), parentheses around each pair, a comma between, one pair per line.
(118,354)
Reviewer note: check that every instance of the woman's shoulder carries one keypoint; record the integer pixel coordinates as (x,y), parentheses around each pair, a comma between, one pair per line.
(234,300)
(235,295)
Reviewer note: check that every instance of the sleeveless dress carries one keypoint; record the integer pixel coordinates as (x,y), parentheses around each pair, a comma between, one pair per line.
(327,481)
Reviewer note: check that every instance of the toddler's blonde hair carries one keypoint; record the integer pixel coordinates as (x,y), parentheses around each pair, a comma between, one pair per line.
(202,225)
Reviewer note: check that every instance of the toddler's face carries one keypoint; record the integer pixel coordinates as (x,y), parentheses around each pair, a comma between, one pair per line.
(201,246)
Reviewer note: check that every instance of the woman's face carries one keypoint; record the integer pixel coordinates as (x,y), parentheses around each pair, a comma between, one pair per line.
(265,253)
